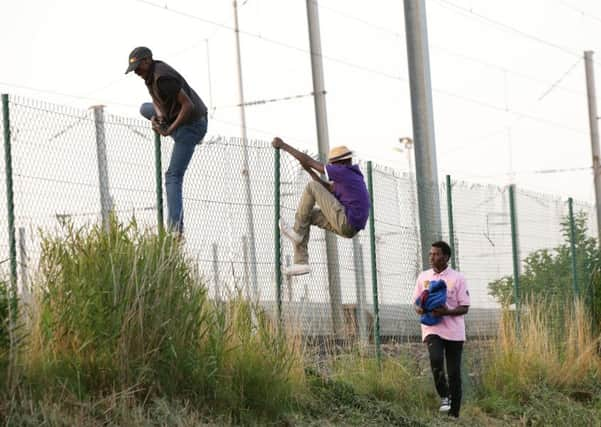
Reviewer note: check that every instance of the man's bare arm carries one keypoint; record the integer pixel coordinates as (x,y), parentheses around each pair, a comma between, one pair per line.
(328,185)
(184,111)
(305,160)
(444,311)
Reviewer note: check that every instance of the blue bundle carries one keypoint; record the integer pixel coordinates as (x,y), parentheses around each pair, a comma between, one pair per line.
(433,297)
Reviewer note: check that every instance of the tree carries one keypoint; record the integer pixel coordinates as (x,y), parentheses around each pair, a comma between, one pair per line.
(548,272)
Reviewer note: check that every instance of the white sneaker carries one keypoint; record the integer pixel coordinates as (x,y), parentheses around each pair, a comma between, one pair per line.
(289,232)
(297,269)
(445,404)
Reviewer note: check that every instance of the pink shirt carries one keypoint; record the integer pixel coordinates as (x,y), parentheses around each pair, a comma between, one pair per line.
(450,328)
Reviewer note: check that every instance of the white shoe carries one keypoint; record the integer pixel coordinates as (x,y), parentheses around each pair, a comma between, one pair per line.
(297,270)
(289,232)
(445,405)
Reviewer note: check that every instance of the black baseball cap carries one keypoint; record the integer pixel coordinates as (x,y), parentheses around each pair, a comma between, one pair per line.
(136,56)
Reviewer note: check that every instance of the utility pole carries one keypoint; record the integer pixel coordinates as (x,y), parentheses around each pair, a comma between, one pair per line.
(245,169)
(106,201)
(408,149)
(423,125)
(594,128)
(321,122)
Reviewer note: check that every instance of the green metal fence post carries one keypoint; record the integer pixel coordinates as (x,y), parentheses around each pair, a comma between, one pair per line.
(10,206)
(573,246)
(515,254)
(374,271)
(277,237)
(451,227)
(158,169)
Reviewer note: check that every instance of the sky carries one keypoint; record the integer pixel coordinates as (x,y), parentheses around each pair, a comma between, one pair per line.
(508,81)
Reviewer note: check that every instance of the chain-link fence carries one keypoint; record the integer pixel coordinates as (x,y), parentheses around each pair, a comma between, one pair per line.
(77,166)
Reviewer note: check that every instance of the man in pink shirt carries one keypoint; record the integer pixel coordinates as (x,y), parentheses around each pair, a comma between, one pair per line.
(445,339)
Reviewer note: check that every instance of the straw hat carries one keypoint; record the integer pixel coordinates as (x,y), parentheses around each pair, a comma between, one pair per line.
(339,153)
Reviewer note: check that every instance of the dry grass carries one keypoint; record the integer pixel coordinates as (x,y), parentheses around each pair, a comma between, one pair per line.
(552,345)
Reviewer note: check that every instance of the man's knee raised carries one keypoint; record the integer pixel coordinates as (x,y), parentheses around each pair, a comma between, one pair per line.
(313,185)
(147,110)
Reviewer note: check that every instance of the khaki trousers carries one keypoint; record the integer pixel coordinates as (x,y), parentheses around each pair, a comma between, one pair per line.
(330,216)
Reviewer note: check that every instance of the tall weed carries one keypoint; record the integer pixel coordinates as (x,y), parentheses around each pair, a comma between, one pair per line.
(122,311)
(552,346)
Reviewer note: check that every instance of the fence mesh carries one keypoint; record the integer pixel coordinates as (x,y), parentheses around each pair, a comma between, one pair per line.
(229,219)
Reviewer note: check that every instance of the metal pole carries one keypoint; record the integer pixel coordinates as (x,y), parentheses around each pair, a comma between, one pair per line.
(106,202)
(423,125)
(289,280)
(276,234)
(573,246)
(159,182)
(360,288)
(594,129)
(515,253)
(408,143)
(374,267)
(321,122)
(216,278)
(24,265)
(10,207)
(246,272)
(451,227)
(245,168)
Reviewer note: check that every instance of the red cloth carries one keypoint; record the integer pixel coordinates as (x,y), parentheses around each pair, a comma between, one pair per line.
(423,297)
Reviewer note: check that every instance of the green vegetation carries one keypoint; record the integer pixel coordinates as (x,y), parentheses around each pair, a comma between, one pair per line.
(543,374)
(4,330)
(4,320)
(121,332)
(121,314)
(548,272)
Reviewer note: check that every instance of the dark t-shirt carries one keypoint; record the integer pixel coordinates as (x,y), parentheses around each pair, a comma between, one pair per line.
(351,191)
(164,84)
(168,87)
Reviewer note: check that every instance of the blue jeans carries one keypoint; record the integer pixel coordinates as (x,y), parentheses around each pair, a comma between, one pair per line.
(185,138)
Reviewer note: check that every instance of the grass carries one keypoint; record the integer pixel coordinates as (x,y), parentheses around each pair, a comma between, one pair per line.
(122,313)
(550,344)
(121,332)
(546,369)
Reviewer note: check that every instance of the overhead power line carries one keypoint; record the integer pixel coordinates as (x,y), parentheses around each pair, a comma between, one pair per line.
(268,101)
(446,50)
(344,62)
(360,67)
(579,11)
(512,111)
(537,171)
(563,76)
(347,15)
(341,61)
(588,168)
(508,28)
(504,69)
(48,91)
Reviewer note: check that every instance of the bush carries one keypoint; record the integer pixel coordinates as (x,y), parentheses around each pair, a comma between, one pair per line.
(119,309)
(123,311)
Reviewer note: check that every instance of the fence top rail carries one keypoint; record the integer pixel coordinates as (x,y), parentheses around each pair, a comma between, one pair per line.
(21,101)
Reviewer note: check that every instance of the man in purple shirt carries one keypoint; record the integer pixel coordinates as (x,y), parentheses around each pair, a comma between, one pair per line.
(343,201)
(445,339)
